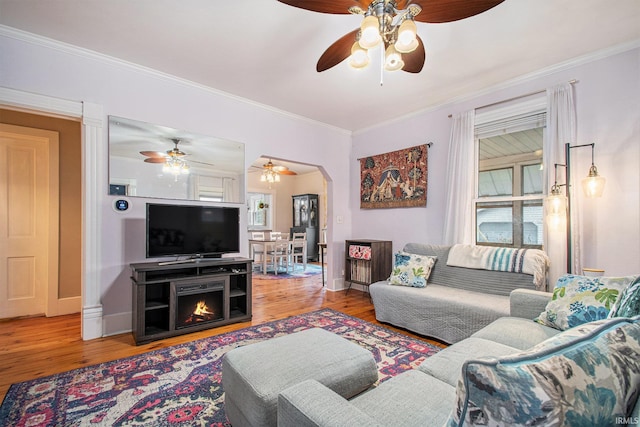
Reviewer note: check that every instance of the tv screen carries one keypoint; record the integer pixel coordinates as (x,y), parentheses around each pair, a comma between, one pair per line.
(184,230)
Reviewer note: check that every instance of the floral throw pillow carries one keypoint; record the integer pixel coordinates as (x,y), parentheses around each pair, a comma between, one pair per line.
(628,305)
(580,299)
(411,269)
(584,379)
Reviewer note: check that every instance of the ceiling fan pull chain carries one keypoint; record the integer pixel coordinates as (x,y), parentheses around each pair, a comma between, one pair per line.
(381,66)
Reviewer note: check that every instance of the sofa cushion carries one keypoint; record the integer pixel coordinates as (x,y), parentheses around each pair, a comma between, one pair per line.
(580,299)
(588,375)
(628,305)
(411,399)
(446,365)
(516,332)
(411,269)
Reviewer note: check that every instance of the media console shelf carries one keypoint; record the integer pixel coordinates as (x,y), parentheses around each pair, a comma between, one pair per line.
(177,298)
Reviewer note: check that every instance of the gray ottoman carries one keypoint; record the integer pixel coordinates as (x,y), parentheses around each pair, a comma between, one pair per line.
(254,375)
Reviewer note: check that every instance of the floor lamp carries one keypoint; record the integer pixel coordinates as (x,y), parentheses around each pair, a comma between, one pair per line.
(558,206)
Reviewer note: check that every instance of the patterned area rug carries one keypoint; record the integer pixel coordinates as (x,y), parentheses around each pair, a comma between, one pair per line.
(311,270)
(181,385)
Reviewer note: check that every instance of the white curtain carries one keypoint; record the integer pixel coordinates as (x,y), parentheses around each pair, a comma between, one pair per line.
(561,129)
(460,185)
(228,190)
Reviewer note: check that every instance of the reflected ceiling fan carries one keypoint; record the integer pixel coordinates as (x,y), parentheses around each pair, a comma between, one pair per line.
(390,23)
(173,160)
(163,156)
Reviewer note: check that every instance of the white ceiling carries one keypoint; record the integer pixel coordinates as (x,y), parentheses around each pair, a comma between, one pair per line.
(266,51)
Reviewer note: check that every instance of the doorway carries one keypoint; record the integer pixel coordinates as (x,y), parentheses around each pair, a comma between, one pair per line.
(296,178)
(63,290)
(28,219)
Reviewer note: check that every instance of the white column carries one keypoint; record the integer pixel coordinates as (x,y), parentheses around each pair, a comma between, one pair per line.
(93,170)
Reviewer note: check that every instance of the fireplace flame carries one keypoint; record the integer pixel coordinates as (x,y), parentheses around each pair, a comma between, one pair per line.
(202,309)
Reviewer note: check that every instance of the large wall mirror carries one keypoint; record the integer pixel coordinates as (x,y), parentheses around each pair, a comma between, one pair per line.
(148,160)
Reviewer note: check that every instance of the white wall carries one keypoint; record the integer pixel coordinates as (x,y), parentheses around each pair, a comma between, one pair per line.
(40,66)
(608,113)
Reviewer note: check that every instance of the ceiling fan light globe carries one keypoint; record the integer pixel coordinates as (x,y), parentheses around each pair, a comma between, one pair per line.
(369,33)
(392,59)
(406,48)
(407,32)
(359,56)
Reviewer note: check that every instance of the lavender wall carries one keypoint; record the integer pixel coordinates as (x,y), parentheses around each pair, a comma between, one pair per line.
(608,113)
(607,96)
(44,67)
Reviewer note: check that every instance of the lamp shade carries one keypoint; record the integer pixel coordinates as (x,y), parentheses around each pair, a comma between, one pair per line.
(359,56)
(369,32)
(555,206)
(392,59)
(407,41)
(593,185)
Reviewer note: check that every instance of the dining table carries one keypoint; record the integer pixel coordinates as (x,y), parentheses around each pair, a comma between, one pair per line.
(267,245)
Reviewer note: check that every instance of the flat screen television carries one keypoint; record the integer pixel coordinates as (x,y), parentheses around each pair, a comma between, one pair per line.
(192,231)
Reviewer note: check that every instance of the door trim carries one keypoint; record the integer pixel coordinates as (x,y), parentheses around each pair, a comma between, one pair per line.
(93,177)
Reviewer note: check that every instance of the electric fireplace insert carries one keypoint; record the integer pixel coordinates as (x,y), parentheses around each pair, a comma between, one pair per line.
(198,303)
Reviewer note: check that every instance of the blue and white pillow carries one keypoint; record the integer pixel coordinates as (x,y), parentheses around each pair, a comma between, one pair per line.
(586,376)
(411,269)
(581,299)
(628,305)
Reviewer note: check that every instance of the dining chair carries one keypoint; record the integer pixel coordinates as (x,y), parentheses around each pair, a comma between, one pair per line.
(275,235)
(299,250)
(257,250)
(278,255)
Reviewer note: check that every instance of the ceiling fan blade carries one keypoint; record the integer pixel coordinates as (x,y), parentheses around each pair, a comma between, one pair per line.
(287,172)
(155,160)
(436,11)
(327,6)
(154,154)
(414,61)
(337,52)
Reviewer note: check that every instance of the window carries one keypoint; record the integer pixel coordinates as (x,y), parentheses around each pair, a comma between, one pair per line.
(508,206)
(258,205)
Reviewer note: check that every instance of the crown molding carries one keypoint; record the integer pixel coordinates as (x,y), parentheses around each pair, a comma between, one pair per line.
(67,48)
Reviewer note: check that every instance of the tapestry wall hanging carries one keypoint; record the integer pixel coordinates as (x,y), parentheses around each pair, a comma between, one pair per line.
(394,180)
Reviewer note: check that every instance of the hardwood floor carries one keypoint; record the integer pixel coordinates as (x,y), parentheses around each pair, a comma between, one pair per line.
(36,347)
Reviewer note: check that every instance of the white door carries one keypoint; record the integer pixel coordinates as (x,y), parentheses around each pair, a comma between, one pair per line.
(28,220)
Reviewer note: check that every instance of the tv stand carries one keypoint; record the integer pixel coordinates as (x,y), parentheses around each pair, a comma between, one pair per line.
(163,290)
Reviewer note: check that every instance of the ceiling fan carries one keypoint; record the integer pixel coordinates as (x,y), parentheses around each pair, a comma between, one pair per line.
(392,23)
(162,156)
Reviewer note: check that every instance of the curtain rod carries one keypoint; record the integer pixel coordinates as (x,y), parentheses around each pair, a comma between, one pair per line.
(572,81)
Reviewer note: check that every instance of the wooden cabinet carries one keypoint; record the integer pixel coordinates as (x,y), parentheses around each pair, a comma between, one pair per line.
(174,299)
(367,261)
(305,220)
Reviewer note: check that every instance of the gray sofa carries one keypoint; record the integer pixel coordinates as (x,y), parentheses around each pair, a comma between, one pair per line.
(456,302)
(426,396)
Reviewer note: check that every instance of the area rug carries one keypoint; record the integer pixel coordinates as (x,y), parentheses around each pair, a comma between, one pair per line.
(181,385)
(298,272)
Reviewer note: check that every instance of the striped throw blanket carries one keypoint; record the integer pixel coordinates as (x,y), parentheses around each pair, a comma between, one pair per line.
(528,261)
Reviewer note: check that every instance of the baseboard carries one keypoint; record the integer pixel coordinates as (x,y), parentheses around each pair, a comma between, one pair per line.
(115,324)
(91,322)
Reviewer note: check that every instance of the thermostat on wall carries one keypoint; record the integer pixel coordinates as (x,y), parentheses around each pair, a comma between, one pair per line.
(121,205)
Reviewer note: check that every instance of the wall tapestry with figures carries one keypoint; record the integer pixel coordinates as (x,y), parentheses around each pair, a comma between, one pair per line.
(394,180)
